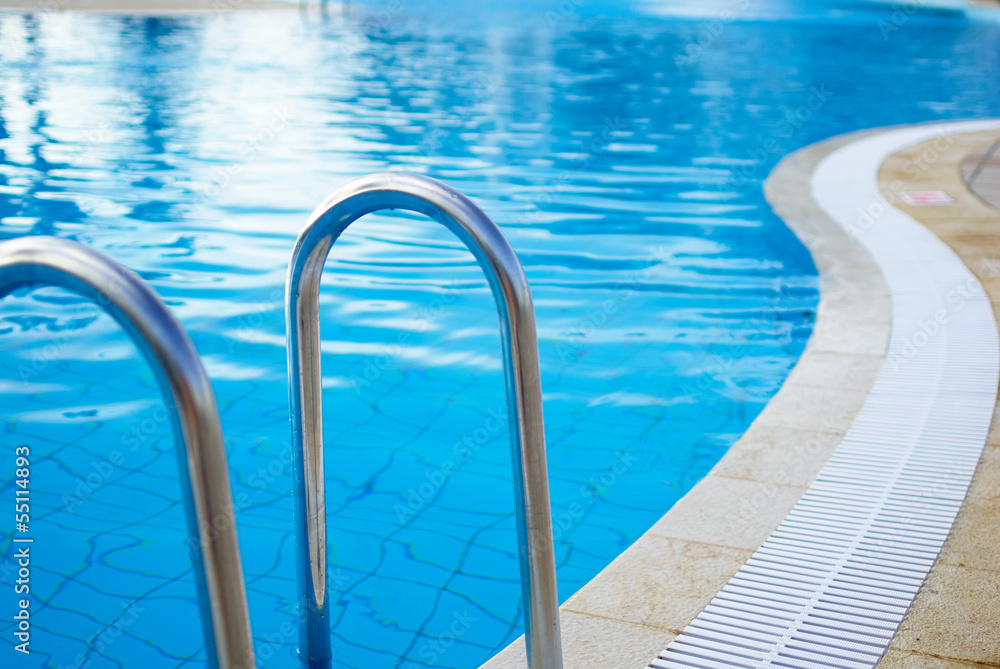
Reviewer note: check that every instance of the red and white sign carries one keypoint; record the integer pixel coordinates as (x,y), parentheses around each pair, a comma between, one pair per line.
(925,198)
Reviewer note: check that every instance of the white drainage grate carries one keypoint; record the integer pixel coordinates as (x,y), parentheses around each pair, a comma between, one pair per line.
(831,585)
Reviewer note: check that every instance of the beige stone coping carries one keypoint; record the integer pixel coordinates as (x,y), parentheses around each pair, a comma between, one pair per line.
(148,7)
(954,621)
(629,612)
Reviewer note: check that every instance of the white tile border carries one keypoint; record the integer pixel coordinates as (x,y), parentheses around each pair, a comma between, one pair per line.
(833,582)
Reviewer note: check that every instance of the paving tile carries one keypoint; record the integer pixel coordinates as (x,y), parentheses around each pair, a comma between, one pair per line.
(849,336)
(897,659)
(589,642)
(975,538)
(771,453)
(731,512)
(659,583)
(840,371)
(986,482)
(954,616)
(973,245)
(809,408)
(875,308)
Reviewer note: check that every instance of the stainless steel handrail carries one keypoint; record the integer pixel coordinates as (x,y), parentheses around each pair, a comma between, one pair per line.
(35,261)
(524,398)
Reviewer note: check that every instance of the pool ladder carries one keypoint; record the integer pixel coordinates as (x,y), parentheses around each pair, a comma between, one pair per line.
(33,261)
(204,474)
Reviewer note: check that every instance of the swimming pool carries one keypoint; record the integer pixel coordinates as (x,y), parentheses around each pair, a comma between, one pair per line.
(622,153)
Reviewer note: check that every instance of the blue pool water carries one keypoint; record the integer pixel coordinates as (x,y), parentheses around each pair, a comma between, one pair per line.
(621,147)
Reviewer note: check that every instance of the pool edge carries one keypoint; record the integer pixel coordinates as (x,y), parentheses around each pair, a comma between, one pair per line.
(951,623)
(865,551)
(632,609)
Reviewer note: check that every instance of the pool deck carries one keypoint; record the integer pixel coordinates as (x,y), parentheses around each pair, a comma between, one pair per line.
(953,622)
(648,595)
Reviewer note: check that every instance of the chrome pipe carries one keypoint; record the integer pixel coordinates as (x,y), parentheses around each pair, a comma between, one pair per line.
(503,270)
(204,471)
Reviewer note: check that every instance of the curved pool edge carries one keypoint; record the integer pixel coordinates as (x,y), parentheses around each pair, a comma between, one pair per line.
(632,609)
(653,590)
(834,583)
(953,620)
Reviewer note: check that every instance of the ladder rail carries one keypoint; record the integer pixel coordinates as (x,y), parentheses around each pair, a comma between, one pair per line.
(187,392)
(395,190)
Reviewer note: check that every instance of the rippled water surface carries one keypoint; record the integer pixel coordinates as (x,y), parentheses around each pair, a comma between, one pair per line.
(622,151)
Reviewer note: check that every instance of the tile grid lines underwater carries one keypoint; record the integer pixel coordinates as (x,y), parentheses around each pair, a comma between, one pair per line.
(648,379)
(832,584)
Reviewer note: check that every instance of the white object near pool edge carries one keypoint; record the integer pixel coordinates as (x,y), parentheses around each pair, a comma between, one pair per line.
(832,584)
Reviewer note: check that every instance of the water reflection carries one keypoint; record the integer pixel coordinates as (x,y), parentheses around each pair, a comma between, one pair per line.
(671,302)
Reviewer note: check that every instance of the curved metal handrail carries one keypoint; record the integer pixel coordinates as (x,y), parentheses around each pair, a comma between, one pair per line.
(34,261)
(524,398)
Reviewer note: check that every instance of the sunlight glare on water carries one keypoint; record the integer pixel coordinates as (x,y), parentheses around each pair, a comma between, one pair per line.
(621,151)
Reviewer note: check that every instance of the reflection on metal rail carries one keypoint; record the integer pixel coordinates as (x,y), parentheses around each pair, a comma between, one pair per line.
(524,399)
(49,261)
